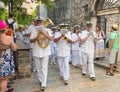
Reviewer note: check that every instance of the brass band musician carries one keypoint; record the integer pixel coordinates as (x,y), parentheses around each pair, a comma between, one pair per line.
(62,39)
(41,50)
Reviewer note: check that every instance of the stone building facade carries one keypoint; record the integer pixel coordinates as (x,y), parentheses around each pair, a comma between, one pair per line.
(72,11)
(102,12)
(80,11)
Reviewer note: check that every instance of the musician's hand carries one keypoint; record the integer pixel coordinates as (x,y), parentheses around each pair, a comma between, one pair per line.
(37,38)
(42,32)
(62,35)
(90,34)
(79,39)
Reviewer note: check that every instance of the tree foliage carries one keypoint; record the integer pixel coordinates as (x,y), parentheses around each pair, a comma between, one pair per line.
(21,13)
(5,1)
(3,14)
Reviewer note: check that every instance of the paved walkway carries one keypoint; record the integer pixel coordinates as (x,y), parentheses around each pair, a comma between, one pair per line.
(77,82)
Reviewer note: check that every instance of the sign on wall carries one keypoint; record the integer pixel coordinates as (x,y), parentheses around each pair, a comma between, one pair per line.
(43,11)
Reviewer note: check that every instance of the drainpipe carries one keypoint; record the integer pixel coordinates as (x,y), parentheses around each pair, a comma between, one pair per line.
(118,58)
(10,5)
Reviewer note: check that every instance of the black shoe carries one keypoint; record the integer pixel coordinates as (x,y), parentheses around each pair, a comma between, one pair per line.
(83,74)
(40,83)
(43,88)
(66,82)
(115,66)
(8,86)
(93,78)
(70,62)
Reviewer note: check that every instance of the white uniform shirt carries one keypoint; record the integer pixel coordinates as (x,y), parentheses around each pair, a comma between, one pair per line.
(26,39)
(29,30)
(88,45)
(75,45)
(37,51)
(20,36)
(53,44)
(63,48)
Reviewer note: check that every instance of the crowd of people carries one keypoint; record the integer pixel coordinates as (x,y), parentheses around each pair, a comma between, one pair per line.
(79,48)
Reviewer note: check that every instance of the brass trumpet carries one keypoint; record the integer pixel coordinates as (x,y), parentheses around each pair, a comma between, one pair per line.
(65,38)
(64,31)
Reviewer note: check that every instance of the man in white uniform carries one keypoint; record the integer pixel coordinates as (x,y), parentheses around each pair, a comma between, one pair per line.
(62,39)
(27,34)
(88,36)
(53,47)
(41,54)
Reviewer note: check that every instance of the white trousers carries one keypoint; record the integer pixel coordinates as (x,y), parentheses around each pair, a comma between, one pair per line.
(88,60)
(76,57)
(53,56)
(42,69)
(70,57)
(32,60)
(64,67)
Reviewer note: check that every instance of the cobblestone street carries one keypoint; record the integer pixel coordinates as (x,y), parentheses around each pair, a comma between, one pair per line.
(77,82)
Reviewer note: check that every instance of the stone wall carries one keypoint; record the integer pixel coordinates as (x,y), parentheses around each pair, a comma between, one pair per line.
(22,60)
(111,19)
(72,11)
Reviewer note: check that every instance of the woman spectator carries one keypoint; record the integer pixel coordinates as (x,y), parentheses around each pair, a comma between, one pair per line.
(99,50)
(6,55)
(113,48)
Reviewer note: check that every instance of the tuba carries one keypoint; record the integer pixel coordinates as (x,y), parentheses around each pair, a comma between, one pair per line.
(44,42)
(48,22)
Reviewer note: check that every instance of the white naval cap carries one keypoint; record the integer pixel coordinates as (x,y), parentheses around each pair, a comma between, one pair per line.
(89,22)
(39,18)
(77,26)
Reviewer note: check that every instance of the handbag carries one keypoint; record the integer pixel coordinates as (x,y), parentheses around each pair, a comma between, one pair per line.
(102,36)
(107,44)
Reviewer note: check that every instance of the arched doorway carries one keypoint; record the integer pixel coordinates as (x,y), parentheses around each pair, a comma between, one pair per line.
(108,13)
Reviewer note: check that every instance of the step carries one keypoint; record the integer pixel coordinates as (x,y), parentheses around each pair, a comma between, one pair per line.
(106,66)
